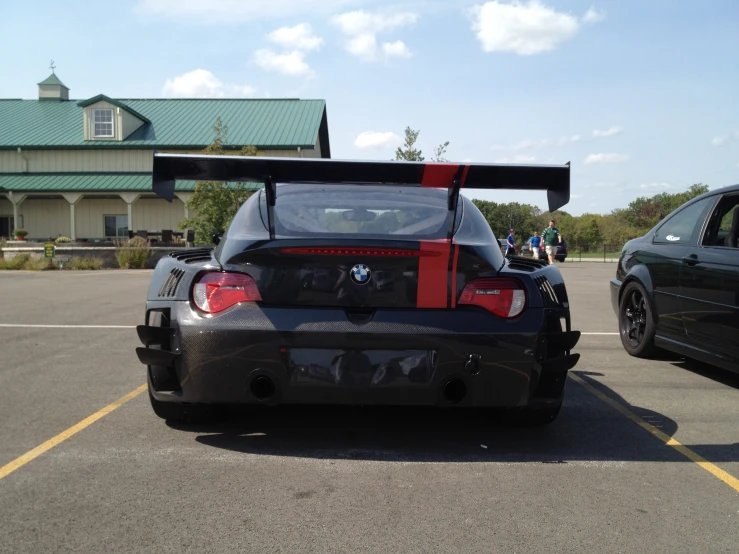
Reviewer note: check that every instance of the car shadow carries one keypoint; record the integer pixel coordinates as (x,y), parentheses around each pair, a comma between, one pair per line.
(588,431)
(708,371)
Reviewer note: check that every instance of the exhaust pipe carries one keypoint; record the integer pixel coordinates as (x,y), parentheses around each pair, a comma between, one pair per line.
(263,388)
(454,391)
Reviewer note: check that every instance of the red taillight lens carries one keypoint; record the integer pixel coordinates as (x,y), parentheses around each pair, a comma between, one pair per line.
(388,252)
(503,297)
(215,292)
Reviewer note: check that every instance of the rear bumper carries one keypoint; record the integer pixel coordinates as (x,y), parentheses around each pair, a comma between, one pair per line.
(615,291)
(311,356)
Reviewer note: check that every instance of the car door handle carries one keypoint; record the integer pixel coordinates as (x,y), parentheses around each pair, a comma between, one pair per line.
(691,260)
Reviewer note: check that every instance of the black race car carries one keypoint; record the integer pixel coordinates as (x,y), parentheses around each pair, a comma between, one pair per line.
(677,288)
(356,283)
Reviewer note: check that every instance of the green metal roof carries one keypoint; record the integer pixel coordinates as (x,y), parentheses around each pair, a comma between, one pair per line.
(90,182)
(175,124)
(52,80)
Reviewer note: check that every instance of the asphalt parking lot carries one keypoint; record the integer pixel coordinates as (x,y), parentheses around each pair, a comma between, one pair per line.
(600,479)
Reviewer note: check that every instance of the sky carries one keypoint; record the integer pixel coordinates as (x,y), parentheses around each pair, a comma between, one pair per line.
(640,96)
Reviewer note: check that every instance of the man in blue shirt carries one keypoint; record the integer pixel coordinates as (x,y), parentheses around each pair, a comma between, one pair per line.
(511,249)
(535,243)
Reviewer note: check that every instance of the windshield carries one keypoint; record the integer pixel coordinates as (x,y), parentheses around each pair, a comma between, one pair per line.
(360,211)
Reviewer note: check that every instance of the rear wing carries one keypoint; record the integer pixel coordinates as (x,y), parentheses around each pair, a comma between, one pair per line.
(168,168)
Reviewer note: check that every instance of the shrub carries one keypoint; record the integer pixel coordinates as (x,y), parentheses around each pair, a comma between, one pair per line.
(3,244)
(20,233)
(15,263)
(40,264)
(60,240)
(85,263)
(133,253)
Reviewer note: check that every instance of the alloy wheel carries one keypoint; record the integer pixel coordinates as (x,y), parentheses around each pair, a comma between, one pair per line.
(634,319)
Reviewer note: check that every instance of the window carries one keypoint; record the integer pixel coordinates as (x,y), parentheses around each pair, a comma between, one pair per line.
(719,231)
(102,121)
(116,225)
(684,227)
(359,211)
(6,226)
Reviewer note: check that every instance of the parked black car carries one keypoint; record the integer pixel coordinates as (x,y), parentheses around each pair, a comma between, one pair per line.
(677,287)
(389,292)
(561,254)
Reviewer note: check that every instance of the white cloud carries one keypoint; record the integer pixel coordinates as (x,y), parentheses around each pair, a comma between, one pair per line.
(602,185)
(530,144)
(569,140)
(201,83)
(233,11)
(376,140)
(300,37)
(527,144)
(525,29)
(289,63)
(606,158)
(575,196)
(614,130)
(720,141)
(466,160)
(361,29)
(517,159)
(593,16)
(655,186)
(397,49)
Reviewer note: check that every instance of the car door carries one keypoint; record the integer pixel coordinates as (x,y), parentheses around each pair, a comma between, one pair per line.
(671,242)
(709,284)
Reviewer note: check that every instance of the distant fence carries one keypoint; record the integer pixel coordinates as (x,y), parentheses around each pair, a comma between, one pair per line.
(592,252)
(583,252)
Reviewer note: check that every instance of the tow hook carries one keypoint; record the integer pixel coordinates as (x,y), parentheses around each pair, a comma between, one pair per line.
(472,363)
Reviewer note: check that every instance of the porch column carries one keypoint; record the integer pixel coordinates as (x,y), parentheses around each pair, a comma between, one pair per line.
(16,200)
(129,198)
(184,196)
(72,198)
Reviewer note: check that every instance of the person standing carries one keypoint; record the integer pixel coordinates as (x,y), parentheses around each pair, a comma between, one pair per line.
(511,244)
(552,239)
(535,244)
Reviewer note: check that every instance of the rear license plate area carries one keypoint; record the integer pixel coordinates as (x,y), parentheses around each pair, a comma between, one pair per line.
(360,368)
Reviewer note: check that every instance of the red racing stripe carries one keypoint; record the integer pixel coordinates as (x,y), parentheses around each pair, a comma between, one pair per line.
(433,275)
(455,255)
(439,175)
(464,175)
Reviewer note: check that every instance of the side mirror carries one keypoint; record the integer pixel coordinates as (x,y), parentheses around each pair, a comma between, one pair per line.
(217,238)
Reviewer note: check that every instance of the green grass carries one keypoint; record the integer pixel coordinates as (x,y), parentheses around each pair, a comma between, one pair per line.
(132,254)
(15,263)
(85,263)
(25,262)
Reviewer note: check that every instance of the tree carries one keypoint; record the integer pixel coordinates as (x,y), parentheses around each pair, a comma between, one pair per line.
(215,203)
(408,152)
(440,153)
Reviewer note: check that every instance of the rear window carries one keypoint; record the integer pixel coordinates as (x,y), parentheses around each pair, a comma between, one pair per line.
(360,211)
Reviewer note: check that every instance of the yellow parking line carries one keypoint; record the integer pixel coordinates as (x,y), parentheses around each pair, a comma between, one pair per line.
(714,470)
(9,468)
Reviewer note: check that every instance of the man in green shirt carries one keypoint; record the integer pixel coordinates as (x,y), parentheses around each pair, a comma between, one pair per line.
(552,239)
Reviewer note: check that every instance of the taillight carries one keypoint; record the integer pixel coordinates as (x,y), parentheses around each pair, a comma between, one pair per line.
(503,297)
(215,292)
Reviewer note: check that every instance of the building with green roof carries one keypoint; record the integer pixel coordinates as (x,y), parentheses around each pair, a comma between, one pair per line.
(82,168)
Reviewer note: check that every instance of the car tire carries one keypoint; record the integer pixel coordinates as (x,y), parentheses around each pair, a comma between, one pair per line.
(636,325)
(181,413)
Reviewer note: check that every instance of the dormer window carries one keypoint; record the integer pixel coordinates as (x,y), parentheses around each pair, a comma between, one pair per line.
(102,120)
